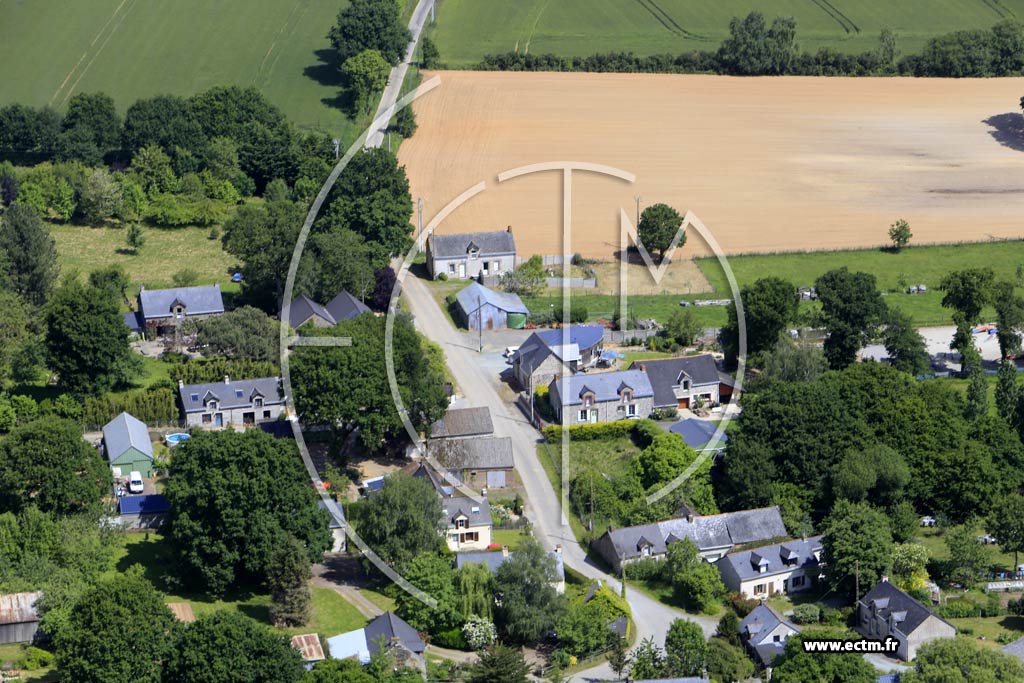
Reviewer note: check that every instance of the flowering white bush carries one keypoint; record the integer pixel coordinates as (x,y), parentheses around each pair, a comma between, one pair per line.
(479,632)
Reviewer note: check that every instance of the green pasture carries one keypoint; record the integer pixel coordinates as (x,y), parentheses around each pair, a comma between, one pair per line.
(140,48)
(469,29)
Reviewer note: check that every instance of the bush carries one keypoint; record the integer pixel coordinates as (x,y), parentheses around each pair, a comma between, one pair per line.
(959,609)
(452,639)
(806,614)
(742,605)
(443,277)
(35,658)
(596,432)
(479,633)
(665,414)
(647,569)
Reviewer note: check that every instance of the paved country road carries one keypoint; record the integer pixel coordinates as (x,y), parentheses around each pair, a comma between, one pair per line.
(480,386)
(394,87)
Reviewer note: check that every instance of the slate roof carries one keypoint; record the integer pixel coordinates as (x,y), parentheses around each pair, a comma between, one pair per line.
(235,393)
(889,678)
(763,619)
(134,321)
(1015,649)
(123,432)
(542,343)
(201,300)
(345,307)
(477,513)
(152,504)
(493,560)
(799,553)
(496,243)
(476,295)
(390,626)
(665,373)
(19,608)
(303,308)
(606,386)
(487,453)
(891,601)
(707,532)
(463,422)
(696,433)
(584,336)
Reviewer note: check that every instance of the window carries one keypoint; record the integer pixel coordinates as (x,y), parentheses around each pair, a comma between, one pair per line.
(460,524)
(777,638)
(238,393)
(583,416)
(760,588)
(451,267)
(686,385)
(469,537)
(796,581)
(627,396)
(212,405)
(194,397)
(495,266)
(206,419)
(631,410)
(266,414)
(258,402)
(645,551)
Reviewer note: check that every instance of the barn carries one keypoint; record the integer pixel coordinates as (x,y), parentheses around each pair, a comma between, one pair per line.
(480,307)
(126,440)
(19,619)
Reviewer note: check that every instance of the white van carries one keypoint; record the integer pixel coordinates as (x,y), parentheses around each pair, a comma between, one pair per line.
(135,484)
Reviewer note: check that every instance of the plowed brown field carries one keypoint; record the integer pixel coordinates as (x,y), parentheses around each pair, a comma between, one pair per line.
(768,164)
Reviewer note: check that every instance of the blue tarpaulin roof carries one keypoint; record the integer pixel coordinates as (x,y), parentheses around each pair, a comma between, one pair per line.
(696,433)
(144,505)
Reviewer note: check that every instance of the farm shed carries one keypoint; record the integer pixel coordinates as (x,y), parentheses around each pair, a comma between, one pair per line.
(496,310)
(127,444)
(143,512)
(19,619)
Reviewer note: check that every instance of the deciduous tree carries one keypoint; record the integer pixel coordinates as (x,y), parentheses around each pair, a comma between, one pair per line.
(851,308)
(528,606)
(857,540)
(686,650)
(962,659)
(245,333)
(402,520)
(365,73)
(798,666)
(769,307)
(370,25)
(696,583)
(905,346)
(500,664)
(659,224)
(899,234)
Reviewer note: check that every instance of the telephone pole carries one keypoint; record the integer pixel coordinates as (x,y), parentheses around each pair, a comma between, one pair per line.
(480,317)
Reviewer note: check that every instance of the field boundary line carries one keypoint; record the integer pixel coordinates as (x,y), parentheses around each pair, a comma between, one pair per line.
(277,57)
(99,51)
(86,53)
(281,31)
(996,7)
(536,22)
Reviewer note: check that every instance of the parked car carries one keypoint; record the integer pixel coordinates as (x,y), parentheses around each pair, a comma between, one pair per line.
(135,484)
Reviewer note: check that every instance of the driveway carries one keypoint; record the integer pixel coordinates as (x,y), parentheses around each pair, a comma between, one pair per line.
(481,387)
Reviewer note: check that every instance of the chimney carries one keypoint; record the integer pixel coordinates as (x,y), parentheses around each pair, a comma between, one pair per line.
(504,551)
(689,516)
(181,383)
(558,549)
(885,579)
(227,380)
(508,229)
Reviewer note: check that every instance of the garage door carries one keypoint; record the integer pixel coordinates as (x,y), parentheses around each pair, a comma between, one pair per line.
(495,480)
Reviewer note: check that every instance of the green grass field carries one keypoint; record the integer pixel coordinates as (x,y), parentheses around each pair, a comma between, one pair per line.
(469,29)
(139,48)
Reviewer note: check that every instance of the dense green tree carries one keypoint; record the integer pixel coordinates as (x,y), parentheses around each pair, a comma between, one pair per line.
(402,520)
(31,256)
(96,114)
(86,339)
(235,498)
(1009,318)
(769,307)
(1006,524)
(909,566)
(372,199)
(797,666)
(288,576)
(727,662)
(226,647)
(432,574)
(24,129)
(263,237)
(960,54)
(899,234)
(877,474)
(977,387)
(686,650)
(659,224)
(856,533)
(528,606)
(47,463)
(474,590)
(618,656)
(754,48)
(99,198)
(962,660)
(344,261)
(966,293)
(967,559)
(683,326)
(500,664)
(164,120)
(338,671)
(120,630)
(729,628)
(1008,393)
(647,661)
(851,309)
(404,122)
(527,279)
(134,238)
(696,583)
(905,346)
(903,520)
(792,361)
(365,73)
(21,347)
(430,56)
(348,386)
(370,25)
(244,333)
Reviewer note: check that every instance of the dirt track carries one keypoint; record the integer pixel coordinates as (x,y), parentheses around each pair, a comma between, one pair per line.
(767,163)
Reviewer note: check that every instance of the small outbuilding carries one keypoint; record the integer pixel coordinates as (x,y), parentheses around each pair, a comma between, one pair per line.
(480,307)
(127,444)
(143,512)
(19,618)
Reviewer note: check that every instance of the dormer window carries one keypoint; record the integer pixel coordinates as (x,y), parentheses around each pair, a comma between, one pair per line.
(588,400)
(212,405)
(258,402)
(238,393)
(460,523)
(627,395)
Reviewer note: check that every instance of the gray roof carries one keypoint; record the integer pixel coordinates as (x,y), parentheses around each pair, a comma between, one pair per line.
(233,393)
(477,513)
(463,422)
(606,386)
(390,626)
(665,373)
(890,600)
(201,300)
(493,560)
(697,433)
(1014,649)
(345,307)
(487,453)
(476,295)
(19,608)
(708,533)
(134,321)
(778,558)
(543,343)
(499,242)
(124,432)
(763,619)
(303,308)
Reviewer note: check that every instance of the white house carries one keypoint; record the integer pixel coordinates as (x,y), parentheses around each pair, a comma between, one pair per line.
(886,611)
(781,568)
(471,254)
(232,403)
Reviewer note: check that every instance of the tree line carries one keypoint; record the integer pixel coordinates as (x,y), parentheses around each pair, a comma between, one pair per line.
(756,47)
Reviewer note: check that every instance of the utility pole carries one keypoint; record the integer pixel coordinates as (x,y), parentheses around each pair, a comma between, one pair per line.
(591,501)
(480,317)
(531,399)
(432,18)
(638,199)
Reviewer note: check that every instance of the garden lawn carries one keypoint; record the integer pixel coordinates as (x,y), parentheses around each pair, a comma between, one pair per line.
(13,652)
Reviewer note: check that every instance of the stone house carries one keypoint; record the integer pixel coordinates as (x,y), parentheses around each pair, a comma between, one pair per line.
(161,311)
(601,397)
(472,254)
(788,567)
(886,611)
(232,403)
(681,382)
(547,353)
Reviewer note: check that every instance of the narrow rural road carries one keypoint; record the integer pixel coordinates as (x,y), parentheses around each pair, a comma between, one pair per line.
(394,87)
(480,388)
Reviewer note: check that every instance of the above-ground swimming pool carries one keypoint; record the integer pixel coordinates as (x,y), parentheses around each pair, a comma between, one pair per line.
(175,439)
